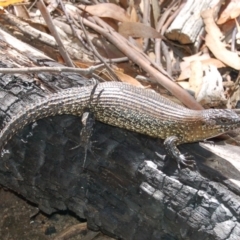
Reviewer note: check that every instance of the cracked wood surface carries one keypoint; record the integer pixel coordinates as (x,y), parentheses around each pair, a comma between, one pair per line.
(123,189)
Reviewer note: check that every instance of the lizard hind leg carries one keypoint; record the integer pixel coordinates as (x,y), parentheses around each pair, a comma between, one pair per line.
(172,151)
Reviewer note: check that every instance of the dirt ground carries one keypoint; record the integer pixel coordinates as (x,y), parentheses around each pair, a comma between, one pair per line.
(20,220)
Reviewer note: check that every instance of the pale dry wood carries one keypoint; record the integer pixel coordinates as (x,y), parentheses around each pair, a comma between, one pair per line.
(214,42)
(23,31)
(21,47)
(229,163)
(188,25)
(122,191)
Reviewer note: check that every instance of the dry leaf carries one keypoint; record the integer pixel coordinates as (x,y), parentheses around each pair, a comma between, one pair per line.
(196,77)
(211,93)
(196,57)
(4,3)
(185,74)
(213,42)
(134,15)
(140,30)
(231,11)
(186,71)
(214,62)
(128,79)
(108,10)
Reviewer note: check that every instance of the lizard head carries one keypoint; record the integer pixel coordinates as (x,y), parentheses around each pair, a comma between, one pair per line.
(219,121)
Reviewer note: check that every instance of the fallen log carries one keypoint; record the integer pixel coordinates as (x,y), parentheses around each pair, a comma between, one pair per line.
(122,187)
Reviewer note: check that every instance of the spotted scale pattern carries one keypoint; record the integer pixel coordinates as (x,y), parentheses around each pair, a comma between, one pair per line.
(149,113)
(125,106)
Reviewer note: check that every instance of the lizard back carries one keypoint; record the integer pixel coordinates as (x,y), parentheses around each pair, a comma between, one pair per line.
(126,106)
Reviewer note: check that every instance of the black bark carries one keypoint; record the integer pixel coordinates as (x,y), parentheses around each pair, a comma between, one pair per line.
(123,188)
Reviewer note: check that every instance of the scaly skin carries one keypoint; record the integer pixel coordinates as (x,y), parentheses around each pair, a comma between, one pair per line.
(136,109)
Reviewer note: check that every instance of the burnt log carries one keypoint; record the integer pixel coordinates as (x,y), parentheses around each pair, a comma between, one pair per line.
(122,187)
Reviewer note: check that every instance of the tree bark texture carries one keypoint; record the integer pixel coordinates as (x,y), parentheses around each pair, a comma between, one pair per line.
(122,187)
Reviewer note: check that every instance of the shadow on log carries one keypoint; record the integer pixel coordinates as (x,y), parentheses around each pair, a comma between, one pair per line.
(123,188)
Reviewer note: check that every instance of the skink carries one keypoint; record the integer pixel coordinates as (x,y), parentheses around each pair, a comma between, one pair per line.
(136,109)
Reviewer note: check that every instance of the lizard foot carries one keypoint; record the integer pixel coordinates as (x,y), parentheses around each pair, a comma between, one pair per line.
(170,144)
(186,160)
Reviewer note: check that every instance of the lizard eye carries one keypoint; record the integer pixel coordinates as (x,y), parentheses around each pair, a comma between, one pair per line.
(223,121)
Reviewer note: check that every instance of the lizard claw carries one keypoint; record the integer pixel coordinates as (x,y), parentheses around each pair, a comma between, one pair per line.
(209,142)
(172,150)
(186,160)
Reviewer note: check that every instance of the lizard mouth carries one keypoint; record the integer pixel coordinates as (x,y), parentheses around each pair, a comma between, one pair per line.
(230,127)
